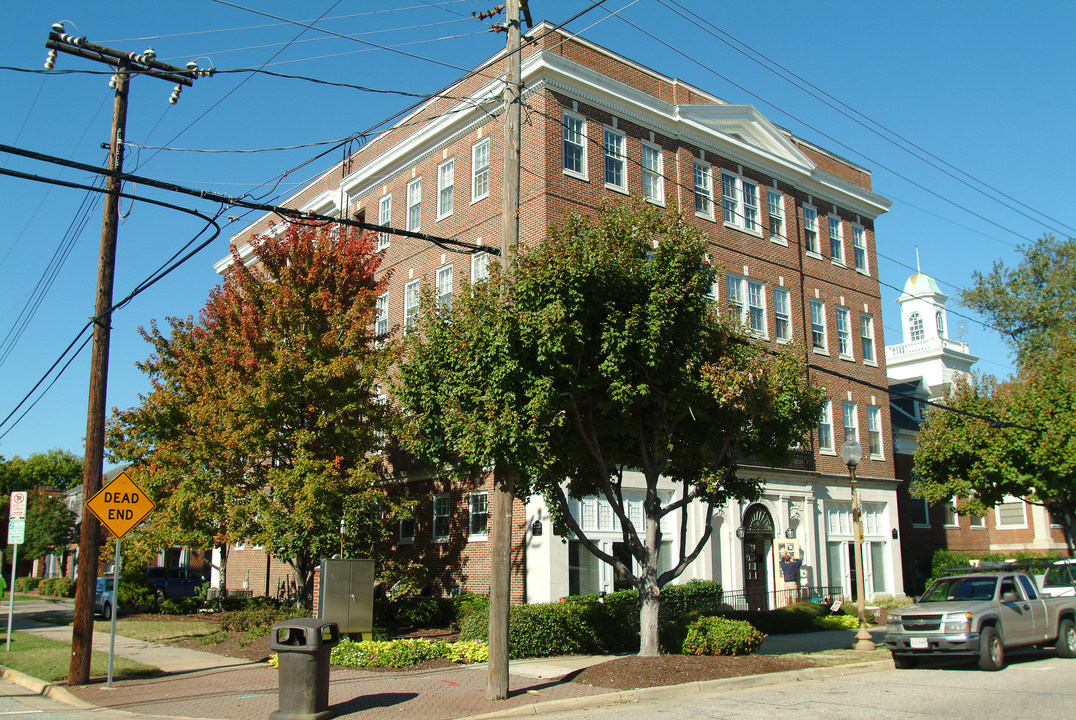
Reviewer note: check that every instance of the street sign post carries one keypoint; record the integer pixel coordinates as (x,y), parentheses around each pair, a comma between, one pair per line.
(119,506)
(16,535)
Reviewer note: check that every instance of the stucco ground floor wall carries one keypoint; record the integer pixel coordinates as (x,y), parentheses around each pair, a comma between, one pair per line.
(809,512)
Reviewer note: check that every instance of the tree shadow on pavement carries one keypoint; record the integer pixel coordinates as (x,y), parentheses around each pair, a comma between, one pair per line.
(371,701)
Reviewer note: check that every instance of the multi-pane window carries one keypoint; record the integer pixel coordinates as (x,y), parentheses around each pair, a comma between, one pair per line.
(444,286)
(1011,513)
(825,427)
(836,240)
(446,183)
(575,149)
(818,325)
(613,146)
(739,199)
(747,303)
(776,203)
(704,191)
(915,327)
(782,314)
(810,230)
(407,531)
(442,510)
(384,218)
(851,421)
(874,431)
(480,169)
(844,332)
(381,328)
(478,511)
(866,336)
(920,512)
(653,180)
(411,298)
(939,320)
(951,518)
(479,267)
(859,248)
(414,205)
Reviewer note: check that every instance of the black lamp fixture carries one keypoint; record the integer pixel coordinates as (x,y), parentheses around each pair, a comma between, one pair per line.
(790,533)
(739,533)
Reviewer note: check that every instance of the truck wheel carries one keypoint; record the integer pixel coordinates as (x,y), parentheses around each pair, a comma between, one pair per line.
(905,662)
(991,651)
(106,611)
(1066,639)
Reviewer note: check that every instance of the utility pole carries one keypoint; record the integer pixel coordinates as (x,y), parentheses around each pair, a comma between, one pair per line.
(500,592)
(90,532)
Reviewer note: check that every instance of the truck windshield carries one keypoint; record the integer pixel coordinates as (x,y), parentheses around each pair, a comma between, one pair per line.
(960,588)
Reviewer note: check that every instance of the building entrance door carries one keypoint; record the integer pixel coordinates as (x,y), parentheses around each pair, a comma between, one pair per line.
(757,545)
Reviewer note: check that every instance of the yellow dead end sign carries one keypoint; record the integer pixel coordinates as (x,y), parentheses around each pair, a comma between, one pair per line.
(120,505)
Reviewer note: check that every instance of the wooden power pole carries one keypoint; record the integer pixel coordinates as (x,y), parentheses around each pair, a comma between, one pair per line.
(500,593)
(90,532)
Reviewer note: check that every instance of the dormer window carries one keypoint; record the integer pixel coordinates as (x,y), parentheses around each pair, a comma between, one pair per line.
(915,327)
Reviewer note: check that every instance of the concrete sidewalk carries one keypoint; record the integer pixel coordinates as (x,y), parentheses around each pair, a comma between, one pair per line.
(203,685)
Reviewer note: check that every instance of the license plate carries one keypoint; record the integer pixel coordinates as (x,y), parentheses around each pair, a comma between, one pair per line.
(920,644)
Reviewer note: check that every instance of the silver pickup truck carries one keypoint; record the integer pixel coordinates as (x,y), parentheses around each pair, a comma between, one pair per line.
(980,615)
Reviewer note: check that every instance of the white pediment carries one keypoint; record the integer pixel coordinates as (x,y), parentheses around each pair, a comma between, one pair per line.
(745,124)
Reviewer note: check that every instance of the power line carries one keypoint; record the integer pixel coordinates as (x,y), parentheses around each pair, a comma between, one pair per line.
(819,131)
(822,96)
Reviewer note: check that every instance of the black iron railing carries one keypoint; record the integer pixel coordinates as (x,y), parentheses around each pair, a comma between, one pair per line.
(757,599)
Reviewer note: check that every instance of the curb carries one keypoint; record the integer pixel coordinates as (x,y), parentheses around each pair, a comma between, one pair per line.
(701,689)
(45,689)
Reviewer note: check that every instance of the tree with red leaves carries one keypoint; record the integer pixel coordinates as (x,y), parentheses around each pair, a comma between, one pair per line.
(264,421)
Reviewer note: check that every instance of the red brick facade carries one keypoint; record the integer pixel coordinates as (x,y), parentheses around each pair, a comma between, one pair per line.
(646,109)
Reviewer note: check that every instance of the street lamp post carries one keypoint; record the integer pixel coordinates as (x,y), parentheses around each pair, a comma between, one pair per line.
(852,453)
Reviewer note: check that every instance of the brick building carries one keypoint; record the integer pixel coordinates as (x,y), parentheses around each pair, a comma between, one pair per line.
(790,224)
(925,365)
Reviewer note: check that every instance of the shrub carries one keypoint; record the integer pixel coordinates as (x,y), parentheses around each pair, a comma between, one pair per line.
(466,652)
(182,605)
(258,619)
(703,596)
(789,619)
(671,635)
(57,587)
(718,636)
(417,612)
(26,584)
(466,603)
(392,653)
(838,621)
(852,609)
(539,630)
(136,591)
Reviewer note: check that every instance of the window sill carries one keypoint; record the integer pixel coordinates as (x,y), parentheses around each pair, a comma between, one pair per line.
(916,526)
(826,451)
(745,231)
(576,175)
(704,216)
(616,188)
(864,273)
(779,240)
(847,358)
(479,198)
(837,263)
(978,527)
(820,351)
(1011,527)
(442,217)
(813,254)
(477,538)
(879,458)
(409,541)
(951,527)
(870,363)
(784,341)
(655,201)
(440,541)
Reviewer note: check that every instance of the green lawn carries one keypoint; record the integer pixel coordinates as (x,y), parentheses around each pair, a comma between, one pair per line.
(50,660)
(152,630)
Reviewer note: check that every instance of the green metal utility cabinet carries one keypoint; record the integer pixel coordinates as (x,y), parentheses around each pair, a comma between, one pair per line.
(346,595)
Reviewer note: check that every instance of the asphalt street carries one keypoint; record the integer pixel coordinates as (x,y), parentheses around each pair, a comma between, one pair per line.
(1035,685)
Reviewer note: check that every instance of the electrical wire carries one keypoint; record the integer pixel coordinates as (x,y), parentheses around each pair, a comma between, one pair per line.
(821,132)
(825,97)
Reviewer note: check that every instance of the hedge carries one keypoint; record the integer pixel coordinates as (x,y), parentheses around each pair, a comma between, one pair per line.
(720,636)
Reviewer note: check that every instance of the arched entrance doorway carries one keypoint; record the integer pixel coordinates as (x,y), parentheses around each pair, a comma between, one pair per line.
(757,540)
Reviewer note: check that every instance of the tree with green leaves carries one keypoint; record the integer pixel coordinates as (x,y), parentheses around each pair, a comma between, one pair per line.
(50,527)
(264,422)
(604,358)
(54,469)
(1018,437)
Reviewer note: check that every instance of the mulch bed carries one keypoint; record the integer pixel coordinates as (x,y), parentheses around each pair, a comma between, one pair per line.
(628,673)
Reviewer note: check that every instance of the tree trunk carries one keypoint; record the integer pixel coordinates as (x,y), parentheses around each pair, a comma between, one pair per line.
(649,602)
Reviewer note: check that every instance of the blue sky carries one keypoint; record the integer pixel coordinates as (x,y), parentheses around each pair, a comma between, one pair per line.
(985,86)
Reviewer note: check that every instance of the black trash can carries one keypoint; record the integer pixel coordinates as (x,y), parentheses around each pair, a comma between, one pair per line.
(303,647)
